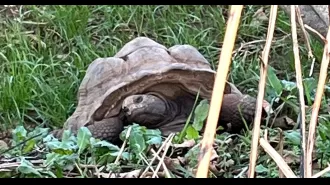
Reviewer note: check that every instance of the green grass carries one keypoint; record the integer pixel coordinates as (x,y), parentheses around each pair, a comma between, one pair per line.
(45,50)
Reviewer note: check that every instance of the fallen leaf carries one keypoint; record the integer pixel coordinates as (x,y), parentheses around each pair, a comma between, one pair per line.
(182,160)
(267,107)
(214,155)
(3,146)
(290,157)
(260,15)
(213,168)
(172,164)
(284,122)
(186,144)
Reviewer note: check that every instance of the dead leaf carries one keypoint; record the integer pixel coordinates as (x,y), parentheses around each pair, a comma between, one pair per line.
(182,160)
(3,145)
(267,107)
(229,163)
(213,168)
(260,15)
(185,144)
(290,157)
(214,155)
(283,122)
(260,10)
(172,164)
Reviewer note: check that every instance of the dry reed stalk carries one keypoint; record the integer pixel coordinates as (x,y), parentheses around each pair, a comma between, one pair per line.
(317,104)
(167,146)
(277,158)
(281,143)
(261,88)
(324,171)
(329,13)
(169,138)
(306,36)
(300,90)
(218,90)
(315,32)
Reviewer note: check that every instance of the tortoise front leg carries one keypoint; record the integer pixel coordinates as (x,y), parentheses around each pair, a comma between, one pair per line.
(107,129)
(234,109)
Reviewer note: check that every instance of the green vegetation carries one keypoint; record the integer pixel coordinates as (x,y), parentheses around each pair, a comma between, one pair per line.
(45,51)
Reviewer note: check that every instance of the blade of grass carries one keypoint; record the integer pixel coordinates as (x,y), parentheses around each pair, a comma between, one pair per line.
(300,91)
(183,132)
(261,88)
(218,89)
(317,103)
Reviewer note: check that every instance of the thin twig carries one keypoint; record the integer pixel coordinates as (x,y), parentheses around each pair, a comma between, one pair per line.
(131,174)
(122,148)
(168,144)
(262,83)
(79,169)
(21,143)
(167,173)
(95,167)
(300,90)
(124,144)
(329,14)
(242,172)
(13,165)
(146,161)
(159,150)
(314,31)
(319,174)
(317,103)
(306,36)
(218,90)
(277,158)
(312,67)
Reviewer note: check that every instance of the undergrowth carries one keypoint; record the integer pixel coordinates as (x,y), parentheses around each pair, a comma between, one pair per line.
(45,51)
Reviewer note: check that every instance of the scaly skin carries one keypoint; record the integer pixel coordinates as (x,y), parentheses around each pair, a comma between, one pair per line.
(106,129)
(234,109)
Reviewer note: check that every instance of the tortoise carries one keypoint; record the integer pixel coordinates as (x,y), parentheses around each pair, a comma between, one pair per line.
(151,85)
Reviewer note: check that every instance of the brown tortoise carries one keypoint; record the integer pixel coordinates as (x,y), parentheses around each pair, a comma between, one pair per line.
(151,85)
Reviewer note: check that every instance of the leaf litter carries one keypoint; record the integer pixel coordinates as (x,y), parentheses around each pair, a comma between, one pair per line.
(145,153)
